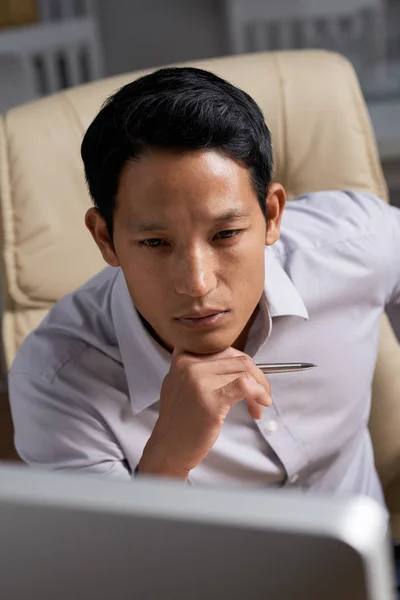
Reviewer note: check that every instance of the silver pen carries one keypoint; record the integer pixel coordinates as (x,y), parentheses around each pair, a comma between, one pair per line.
(269,368)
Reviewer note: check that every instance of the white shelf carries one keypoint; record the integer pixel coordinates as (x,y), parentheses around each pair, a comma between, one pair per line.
(44,35)
(45,57)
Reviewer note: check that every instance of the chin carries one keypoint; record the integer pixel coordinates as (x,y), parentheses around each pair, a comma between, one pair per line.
(210,344)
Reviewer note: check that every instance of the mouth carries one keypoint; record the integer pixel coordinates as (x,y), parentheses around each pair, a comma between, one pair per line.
(203,319)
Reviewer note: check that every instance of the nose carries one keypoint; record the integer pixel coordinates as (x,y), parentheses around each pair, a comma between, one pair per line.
(194,272)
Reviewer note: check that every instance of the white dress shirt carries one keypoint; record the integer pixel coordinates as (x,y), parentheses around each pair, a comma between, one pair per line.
(85,385)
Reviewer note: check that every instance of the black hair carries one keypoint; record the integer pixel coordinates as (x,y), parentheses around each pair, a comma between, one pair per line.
(179,109)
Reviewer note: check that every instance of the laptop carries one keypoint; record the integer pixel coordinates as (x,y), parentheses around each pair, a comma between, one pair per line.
(75,537)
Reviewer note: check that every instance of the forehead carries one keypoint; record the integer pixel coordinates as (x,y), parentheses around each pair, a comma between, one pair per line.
(166,181)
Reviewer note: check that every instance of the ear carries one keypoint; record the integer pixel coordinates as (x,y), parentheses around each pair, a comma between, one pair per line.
(276,200)
(98,228)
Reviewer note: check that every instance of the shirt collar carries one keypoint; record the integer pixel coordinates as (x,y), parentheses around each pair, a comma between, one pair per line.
(282,297)
(146,363)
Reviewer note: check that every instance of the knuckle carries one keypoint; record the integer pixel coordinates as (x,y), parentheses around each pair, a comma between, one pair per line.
(179,363)
(246,376)
(243,382)
(184,366)
(193,374)
(202,403)
(187,372)
(245,362)
(194,382)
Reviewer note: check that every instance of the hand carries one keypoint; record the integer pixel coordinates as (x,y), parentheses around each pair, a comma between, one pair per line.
(195,399)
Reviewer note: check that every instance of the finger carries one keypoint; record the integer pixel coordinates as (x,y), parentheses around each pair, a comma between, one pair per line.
(244,388)
(255,411)
(248,365)
(227,353)
(187,357)
(235,365)
(217,381)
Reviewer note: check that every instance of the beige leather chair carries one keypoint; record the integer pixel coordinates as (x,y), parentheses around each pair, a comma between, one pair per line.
(323,140)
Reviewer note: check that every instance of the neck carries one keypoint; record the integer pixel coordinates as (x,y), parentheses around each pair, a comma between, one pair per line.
(241,341)
(153,333)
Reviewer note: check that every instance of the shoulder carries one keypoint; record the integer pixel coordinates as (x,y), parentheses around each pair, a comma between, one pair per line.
(79,324)
(331,218)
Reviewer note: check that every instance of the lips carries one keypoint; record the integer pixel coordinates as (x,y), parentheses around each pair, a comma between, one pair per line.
(202,314)
(206,319)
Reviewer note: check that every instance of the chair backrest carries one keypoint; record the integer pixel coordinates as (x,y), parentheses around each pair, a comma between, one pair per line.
(322,137)
(351,26)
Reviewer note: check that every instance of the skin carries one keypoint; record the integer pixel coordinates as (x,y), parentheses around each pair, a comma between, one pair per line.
(189,235)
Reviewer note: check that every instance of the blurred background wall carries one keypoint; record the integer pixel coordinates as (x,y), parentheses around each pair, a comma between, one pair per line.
(138,34)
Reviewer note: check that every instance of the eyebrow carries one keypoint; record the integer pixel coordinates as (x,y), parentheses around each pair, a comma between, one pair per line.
(232,214)
(146,226)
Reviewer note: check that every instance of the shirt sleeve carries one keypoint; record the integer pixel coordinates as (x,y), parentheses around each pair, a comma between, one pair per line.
(60,424)
(390,234)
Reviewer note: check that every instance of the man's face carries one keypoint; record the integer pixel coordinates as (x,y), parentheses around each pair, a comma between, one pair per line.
(189,236)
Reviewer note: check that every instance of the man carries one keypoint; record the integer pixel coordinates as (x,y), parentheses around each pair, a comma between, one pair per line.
(151,366)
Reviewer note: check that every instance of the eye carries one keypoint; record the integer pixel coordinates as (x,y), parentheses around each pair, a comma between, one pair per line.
(152,243)
(227,234)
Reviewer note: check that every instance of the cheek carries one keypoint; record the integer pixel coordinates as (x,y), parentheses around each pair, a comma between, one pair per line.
(144,280)
(249,271)
(247,258)
(137,264)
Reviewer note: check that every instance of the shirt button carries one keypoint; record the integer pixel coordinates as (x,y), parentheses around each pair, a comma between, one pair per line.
(294,478)
(272,426)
